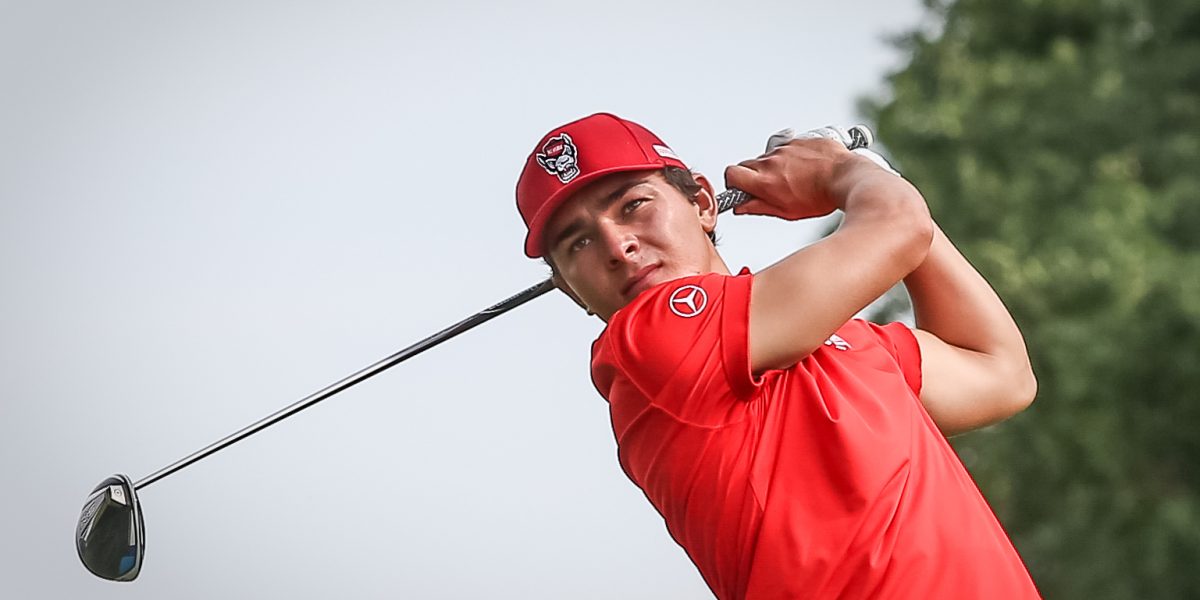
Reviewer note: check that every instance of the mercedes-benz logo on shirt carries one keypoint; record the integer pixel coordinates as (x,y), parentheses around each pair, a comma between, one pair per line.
(688,301)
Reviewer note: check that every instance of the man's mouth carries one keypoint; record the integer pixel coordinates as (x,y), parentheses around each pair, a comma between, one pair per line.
(640,281)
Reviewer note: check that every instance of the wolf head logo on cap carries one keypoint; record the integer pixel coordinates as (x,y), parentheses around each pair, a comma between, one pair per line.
(560,158)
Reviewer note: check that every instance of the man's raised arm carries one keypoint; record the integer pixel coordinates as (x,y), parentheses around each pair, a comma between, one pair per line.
(798,302)
(974,366)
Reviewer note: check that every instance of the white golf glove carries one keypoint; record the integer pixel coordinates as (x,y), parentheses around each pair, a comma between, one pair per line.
(839,134)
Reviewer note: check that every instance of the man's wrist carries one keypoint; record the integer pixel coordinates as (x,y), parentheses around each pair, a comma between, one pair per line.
(850,171)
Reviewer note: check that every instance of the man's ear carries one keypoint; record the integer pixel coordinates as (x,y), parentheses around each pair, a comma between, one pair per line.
(706,202)
(566,289)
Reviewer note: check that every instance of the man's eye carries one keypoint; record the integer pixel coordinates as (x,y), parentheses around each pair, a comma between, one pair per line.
(578,244)
(633,204)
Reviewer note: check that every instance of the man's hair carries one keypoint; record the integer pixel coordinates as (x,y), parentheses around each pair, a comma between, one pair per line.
(680,179)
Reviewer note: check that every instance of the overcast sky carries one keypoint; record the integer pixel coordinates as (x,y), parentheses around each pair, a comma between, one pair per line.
(211,209)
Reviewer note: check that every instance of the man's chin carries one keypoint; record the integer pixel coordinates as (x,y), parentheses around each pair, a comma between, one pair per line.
(637,290)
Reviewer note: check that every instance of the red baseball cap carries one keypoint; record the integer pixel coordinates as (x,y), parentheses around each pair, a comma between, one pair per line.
(575,154)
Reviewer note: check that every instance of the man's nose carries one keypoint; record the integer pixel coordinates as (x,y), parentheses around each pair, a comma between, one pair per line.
(621,244)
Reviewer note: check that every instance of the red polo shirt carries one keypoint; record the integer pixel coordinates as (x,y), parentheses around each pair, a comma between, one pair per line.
(824,480)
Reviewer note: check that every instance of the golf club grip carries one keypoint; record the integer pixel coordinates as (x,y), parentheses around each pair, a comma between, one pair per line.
(860,137)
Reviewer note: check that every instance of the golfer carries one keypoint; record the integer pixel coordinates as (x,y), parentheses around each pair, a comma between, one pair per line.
(792,450)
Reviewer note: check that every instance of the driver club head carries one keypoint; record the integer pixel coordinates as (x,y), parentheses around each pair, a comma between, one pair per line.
(110,536)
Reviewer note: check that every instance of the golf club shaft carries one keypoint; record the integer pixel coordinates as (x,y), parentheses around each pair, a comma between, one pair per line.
(725,200)
(860,138)
(378,367)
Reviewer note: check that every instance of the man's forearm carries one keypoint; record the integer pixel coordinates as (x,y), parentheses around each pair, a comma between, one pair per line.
(953,301)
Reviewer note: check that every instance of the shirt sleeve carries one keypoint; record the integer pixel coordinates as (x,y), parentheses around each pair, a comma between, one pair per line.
(900,342)
(684,346)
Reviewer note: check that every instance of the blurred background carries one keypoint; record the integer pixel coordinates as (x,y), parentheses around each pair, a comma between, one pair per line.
(1057,144)
(208,211)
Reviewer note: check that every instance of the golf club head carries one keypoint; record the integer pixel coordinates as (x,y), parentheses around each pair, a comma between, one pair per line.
(110,536)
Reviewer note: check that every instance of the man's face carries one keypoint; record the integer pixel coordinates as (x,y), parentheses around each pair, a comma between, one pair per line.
(626,233)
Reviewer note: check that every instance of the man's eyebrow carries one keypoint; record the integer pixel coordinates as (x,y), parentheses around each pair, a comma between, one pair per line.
(616,194)
(606,202)
(566,232)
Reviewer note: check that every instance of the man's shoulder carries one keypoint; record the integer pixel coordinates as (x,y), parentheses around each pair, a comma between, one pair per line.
(683,303)
(675,326)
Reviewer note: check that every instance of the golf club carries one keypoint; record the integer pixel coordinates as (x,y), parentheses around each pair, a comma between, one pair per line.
(110,536)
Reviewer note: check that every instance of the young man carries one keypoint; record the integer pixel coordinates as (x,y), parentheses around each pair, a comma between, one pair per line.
(793,452)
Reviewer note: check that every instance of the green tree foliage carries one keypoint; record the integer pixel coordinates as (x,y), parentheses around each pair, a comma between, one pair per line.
(1058,144)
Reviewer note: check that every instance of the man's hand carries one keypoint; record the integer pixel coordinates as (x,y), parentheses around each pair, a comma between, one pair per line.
(794,181)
